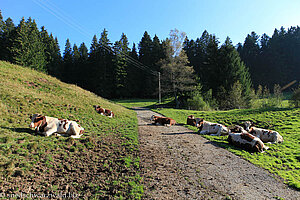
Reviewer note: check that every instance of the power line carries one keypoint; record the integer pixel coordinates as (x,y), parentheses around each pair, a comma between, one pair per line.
(54,10)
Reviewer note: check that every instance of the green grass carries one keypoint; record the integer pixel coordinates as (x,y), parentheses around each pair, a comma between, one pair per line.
(103,150)
(130,103)
(281,159)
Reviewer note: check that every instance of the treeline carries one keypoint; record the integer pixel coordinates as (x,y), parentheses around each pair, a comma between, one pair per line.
(108,69)
(204,73)
(272,60)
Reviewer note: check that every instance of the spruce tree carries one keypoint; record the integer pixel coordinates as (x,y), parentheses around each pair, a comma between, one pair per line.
(9,29)
(27,48)
(82,65)
(19,43)
(145,57)
(67,62)
(232,74)
(106,84)
(134,79)
(2,27)
(52,52)
(120,61)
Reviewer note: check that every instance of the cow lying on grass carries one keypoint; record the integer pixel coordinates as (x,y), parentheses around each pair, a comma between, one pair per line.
(263,134)
(162,120)
(191,120)
(239,137)
(103,111)
(49,125)
(210,128)
(247,142)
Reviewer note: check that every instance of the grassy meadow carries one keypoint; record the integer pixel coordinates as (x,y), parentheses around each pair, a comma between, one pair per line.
(281,159)
(103,163)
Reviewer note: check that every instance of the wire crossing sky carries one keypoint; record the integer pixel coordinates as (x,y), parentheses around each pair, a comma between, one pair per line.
(79,20)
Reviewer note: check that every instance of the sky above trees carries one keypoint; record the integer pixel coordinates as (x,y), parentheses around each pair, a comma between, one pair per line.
(80,20)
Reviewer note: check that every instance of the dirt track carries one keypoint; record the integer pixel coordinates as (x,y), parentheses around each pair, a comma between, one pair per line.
(180,164)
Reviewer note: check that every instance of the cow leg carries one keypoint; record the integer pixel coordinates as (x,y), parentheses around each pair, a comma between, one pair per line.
(203,132)
(49,132)
(265,147)
(219,131)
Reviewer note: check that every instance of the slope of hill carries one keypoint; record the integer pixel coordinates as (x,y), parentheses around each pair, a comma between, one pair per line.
(103,163)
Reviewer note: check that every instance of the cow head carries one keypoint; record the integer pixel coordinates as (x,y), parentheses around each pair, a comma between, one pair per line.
(236,129)
(191,120)
(152,118)
(96,107)
(191,117)
(37,120)
(224,130)
(247,125)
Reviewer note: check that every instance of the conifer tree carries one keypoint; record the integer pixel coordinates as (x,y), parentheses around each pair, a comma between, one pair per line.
(105,67)
(145,57)
(134,79)
(232,74)
(120,61)
(8,29)
(82,65)
(67,62)
(2,27)
(27,48)
(51,51)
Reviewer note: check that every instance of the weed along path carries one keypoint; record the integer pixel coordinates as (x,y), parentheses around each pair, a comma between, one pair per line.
(177,163)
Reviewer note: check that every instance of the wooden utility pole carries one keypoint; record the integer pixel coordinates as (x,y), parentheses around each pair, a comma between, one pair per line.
(159,89)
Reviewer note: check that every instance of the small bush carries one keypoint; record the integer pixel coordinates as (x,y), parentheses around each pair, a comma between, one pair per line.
(295,100)
(197,103)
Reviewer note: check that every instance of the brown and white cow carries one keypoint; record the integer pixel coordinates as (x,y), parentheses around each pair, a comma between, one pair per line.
(210,128)
(162,120)
(103,111)
(263,134)
(191,120)
(247,142)
(49,125)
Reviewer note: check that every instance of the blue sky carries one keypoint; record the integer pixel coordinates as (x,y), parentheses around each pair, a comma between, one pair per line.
(79,20)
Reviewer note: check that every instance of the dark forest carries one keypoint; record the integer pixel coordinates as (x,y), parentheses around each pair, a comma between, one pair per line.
(204,67)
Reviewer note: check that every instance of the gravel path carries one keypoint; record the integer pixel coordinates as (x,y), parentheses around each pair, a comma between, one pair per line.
(180,164)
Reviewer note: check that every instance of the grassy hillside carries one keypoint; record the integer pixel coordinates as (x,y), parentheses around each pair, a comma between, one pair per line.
(281,159)
(103,163)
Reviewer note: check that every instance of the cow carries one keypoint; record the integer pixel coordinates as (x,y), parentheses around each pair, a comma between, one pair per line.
(191,120)
(103,111)
(162,120)
(48,125)
(210,128)
(237,129)
(263,134)
(247,142)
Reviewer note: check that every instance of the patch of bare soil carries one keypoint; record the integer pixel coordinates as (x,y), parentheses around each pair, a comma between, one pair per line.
(96,172)
(177,163)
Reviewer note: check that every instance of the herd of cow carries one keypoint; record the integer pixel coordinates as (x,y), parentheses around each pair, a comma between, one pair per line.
(47,126)
(246,136)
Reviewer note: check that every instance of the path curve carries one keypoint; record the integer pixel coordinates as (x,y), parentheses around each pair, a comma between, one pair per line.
(176,163)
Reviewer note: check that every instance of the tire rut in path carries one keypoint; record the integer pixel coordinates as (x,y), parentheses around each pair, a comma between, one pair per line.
(177,163)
